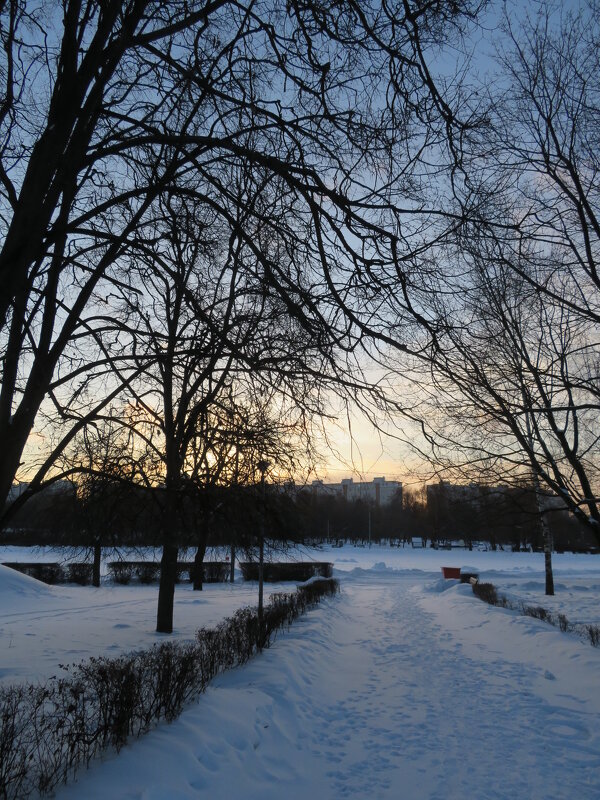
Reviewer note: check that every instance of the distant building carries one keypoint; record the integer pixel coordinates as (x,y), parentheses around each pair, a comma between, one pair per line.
(378,491)
(478,495)
(455,493)
(60,487)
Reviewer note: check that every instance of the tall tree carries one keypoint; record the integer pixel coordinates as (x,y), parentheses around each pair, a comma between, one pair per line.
(531,257)
(102,466)
(199,323)
(109,107)
(498,324)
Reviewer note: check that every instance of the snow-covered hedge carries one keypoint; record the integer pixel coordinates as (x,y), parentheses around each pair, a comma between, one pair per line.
(489,594)
(49,731)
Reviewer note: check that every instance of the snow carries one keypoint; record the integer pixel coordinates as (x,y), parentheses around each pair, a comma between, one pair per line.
(404,686)
(43,626)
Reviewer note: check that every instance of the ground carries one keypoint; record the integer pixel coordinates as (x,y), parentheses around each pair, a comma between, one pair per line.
(404,686)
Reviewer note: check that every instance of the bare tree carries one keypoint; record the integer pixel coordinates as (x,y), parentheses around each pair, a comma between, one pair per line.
(530,259)
(111,107)
(497,326)
(75,106)
(248,425)
(101,463)
(202,332)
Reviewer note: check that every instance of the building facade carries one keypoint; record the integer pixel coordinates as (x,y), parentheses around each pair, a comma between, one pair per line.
(379,491)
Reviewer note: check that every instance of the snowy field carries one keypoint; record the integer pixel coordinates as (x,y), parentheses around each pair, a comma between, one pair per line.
(405,686)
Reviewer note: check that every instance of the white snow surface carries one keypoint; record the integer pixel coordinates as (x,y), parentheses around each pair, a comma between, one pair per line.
(405,686)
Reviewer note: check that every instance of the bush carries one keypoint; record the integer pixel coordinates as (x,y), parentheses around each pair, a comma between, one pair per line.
(486,592)
(48,572)
(147,571)
(316,589)
(121,571)
(48,732)
(537,612)
(81,573)
(563,623)
(212,571)
(593,632)
(215,571)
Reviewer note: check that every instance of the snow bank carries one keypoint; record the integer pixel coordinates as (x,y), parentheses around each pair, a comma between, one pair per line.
(14,587)
(387,692)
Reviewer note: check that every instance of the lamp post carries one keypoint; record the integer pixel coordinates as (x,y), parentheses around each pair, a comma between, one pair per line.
(262,466)
(235,483)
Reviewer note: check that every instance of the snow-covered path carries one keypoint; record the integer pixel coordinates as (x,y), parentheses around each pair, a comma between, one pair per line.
(386,692)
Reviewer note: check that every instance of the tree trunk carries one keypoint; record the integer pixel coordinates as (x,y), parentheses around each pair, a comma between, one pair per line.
(261,575)
(232,564)
(96,566)
(166,590)
(547,538)
(198,565)
(13,436)
(547,535)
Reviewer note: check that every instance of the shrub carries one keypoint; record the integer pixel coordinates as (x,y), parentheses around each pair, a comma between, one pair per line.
(216,571)
(319,588)
(563,623)
(593,632)
(121,571)
(486,592)
(48,572)
(537,612)
(212,571)
(147,571)
(15,728)
(79,572)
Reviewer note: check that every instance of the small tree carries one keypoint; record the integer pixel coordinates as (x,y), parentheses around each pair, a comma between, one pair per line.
(101,463)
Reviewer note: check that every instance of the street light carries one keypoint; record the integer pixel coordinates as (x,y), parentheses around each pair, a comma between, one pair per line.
(262,467)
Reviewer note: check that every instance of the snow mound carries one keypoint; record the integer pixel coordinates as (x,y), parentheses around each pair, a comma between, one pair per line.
(441,585)
(14,584)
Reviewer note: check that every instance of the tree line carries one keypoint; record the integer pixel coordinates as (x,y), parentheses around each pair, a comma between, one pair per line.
(108,516)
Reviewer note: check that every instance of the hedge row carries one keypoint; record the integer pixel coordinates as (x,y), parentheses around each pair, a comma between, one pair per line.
(124,572)
(53,572)
(489,594)
(275,571)
(48,732)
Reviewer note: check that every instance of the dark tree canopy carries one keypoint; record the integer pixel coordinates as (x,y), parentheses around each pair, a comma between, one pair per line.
(321,121)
